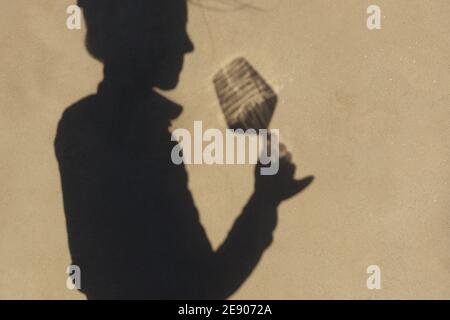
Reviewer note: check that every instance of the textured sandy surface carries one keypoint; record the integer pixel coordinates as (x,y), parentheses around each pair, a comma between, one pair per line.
(366,112)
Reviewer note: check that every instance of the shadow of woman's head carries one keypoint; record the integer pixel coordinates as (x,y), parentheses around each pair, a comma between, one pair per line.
(141,39)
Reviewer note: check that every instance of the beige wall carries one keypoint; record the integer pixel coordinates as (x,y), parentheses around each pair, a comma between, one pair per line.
(367,112)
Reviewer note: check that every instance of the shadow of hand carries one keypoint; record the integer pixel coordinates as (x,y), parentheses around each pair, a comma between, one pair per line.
(283,185)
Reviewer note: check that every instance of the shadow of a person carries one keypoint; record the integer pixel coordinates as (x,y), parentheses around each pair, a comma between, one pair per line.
(133,228)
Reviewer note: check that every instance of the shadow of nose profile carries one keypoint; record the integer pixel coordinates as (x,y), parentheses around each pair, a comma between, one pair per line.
(132,224)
